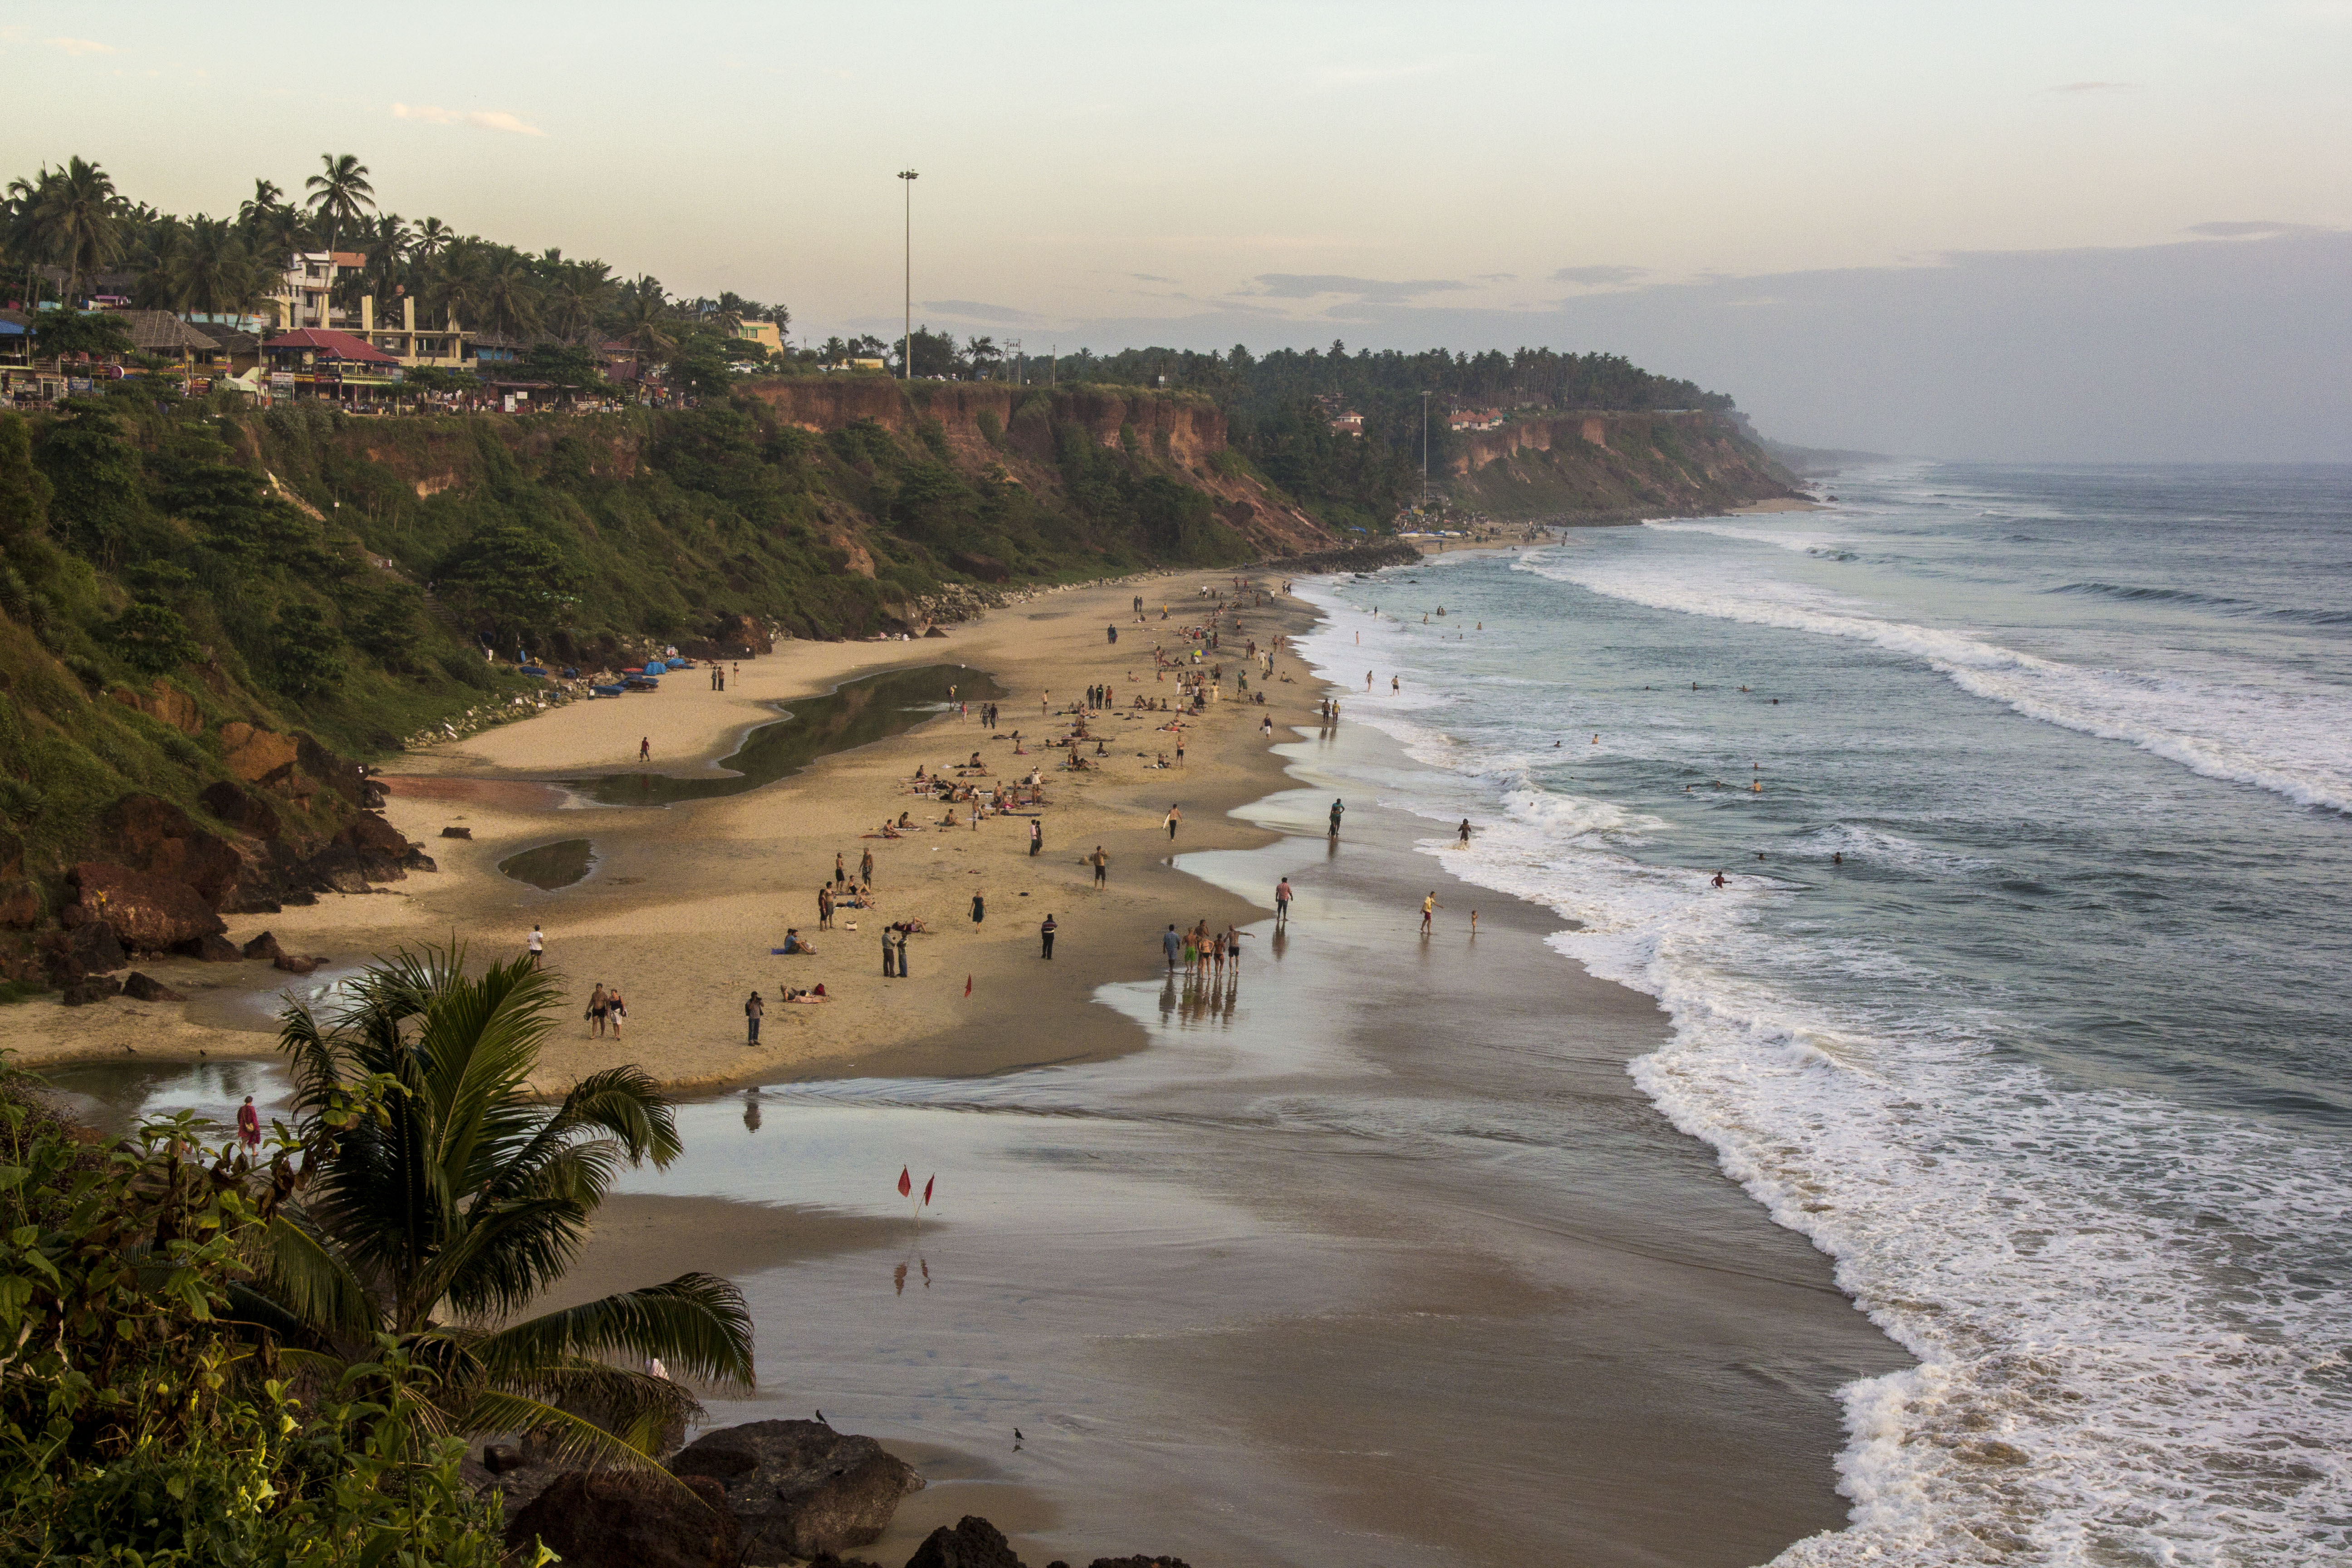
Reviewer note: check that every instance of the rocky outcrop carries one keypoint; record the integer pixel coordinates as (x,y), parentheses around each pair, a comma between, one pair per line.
(258,756)
(972,1544)
(149,914)
(1610,466)
(155,837)
(147,988)
(604,1520)
(799,1487)
(166,704)
(241,809)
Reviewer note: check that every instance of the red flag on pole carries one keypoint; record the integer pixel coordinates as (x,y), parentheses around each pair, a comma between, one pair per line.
(967,984)
(927,1190)
(906,1181)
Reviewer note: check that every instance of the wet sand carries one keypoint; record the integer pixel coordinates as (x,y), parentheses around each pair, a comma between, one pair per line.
(1369,1253)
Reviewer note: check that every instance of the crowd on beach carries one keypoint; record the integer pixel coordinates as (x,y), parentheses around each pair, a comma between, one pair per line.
(1191,655)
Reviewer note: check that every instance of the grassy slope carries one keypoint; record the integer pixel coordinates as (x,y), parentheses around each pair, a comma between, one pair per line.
(299,531)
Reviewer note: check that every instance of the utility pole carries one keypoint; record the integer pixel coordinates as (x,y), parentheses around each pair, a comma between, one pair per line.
(1014,360)
(1053,359)
(1424,451)
(906,365)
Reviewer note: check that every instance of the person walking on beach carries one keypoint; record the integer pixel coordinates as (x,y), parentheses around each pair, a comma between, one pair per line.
(645,748)
(824,906)
(865,867)
(979,908)
(1102,865)
(616,1012)
(1463,838)
(1428,907)
(1037,837)
(753,1010)
(597,1003)
(1282,903)
(1338,807)
(1046,930)
(1171,944)
(1174,817)
(248,1124)
(890,966)
(840,868)
(537,944)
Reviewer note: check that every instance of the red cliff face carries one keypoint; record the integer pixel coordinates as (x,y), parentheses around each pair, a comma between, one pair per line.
(1185,430)
(1605,462)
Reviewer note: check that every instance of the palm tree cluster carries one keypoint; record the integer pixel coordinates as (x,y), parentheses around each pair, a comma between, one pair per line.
(436,1199)
(73,219)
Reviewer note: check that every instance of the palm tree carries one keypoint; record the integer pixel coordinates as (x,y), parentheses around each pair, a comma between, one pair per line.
(342,195)
(646,322)
(509,300)
(576,296)
(432,238)
(214,273)
(78,218)
(440,1212)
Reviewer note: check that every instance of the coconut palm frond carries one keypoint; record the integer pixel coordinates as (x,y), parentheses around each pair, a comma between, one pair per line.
(316,1283)
(695,1323)
(505,1254)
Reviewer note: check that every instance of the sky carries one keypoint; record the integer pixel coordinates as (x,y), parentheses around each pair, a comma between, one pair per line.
(2074,232)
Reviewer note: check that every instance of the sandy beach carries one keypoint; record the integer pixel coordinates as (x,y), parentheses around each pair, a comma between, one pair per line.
(1368,1251)
(682,905)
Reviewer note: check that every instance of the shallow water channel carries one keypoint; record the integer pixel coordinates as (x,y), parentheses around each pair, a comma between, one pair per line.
(854,714)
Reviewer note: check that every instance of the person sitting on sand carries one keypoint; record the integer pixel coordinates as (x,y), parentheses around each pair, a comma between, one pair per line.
(793,942)
(902,820)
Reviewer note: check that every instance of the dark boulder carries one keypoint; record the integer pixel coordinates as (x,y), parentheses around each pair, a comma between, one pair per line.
(334,869)
(1139,1562)
(972,1544)
(604,1519)
(209,949)
(498,1458)
(368,832)
(149,914)
(88,989)
(241,808)
(146,988)
(294,965)
(93,945)
(264,946)
(800,1488)
(340,775)
(418,860)
(21,904)
(153,836)
(457,833)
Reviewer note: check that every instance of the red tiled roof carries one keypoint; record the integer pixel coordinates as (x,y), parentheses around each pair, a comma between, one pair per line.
(348,258)
(340,345)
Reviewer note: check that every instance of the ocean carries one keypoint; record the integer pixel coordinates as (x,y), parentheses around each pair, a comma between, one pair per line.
(2025,997)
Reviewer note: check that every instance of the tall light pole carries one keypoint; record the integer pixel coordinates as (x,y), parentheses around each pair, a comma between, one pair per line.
(1424,451)
(907,367)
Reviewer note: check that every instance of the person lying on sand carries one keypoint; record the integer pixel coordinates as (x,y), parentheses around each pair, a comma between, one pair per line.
(796,995)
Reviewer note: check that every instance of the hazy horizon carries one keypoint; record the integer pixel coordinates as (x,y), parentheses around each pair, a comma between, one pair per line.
(2096,234)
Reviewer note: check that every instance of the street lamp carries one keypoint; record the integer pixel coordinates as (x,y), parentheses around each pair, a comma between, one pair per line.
(1424,451)
(906,368)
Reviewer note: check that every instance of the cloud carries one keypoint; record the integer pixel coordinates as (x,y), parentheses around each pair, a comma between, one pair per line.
(979,311)
(479,119)
(1495,276)
(79,46)
(1598,277)
(1150,277)
(1374,291)
(2256,230)
(2094,87)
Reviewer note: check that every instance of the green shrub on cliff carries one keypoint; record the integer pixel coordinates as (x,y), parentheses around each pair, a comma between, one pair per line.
(145,1420)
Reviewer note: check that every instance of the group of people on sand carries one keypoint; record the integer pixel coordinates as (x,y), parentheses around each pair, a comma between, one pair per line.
(606,1009)
(1201,950)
